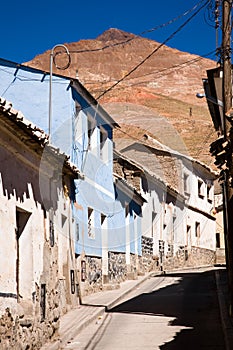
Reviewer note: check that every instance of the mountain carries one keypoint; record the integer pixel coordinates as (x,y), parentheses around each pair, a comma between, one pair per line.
(157,98)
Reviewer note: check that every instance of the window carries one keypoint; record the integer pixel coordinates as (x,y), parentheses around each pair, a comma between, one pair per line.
(153,216)
(188,236)
(103,138)
(51,229)
(197,229)
(103,217)
(22,217)
(90,226)
(77,232)
(170,249)
(63,220)
(72,282)
(43,301)
(186,184)
(209,193)
(161,246)
(200,189)
(126,209)
(218,240)
(90,129)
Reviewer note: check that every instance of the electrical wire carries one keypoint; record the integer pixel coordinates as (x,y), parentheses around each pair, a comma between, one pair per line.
(154,51)
(169,69)
(160,26)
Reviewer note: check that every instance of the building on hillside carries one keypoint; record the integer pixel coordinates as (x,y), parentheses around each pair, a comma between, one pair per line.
(180,210)
(38,273)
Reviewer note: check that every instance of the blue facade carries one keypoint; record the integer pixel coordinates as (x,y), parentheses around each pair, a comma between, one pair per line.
(83,130)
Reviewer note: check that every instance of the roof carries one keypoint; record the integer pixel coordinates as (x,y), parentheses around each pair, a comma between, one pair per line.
(119,155)
(165,149)
(154,176)
(129,189)
(36,136)
(165,162)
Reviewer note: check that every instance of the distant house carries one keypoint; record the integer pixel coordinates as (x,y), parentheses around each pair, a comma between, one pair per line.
(38,274)
(180,199)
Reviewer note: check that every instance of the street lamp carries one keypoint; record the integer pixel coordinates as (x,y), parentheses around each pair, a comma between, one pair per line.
(210,99)
(53,61)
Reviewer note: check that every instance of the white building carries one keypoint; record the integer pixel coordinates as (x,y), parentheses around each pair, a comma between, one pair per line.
(37,261)
(178,214)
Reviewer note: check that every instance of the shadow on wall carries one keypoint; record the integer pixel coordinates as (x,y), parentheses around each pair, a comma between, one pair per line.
(39,181)
(193,304)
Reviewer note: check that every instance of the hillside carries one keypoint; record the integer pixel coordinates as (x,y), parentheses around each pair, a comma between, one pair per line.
(159,97)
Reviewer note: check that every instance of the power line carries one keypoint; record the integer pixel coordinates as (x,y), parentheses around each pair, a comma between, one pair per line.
(169,69)
(160,26)
(155,50)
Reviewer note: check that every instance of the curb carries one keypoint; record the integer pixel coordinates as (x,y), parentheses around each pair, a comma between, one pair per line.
(74,330)
(77,328)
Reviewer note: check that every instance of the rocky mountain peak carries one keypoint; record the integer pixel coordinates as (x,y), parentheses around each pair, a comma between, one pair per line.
(114,34)
(159,96)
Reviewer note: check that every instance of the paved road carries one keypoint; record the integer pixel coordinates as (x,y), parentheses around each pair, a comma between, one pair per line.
(174,311)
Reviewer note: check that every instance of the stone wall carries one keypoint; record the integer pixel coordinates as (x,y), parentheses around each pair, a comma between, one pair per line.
(117,267)
(27,328)
(220,256)
(194,257)
(93,282)
(148,262)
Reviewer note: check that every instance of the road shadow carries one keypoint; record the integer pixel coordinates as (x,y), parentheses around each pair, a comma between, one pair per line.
(192,303)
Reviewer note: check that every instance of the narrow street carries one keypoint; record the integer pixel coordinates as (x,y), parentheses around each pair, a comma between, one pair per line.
(174,311)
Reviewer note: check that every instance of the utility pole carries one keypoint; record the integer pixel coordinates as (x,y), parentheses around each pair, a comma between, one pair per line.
(227,133)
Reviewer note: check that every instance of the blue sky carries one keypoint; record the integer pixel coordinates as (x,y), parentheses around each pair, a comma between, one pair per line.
(30,28)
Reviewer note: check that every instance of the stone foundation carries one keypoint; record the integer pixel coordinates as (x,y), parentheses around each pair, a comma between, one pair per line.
(27,328)
(195,257)
(220,256)
(117,267)
(93,282)
(148,262)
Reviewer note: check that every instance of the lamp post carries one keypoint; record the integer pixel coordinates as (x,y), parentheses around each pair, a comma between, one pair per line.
(210,99)
(53,61)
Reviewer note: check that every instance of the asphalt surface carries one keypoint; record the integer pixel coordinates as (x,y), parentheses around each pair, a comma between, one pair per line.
(174,311)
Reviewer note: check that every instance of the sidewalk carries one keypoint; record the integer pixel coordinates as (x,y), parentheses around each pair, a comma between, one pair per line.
(94,306)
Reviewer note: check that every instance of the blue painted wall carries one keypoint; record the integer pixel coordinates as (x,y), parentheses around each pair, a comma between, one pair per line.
(28,90)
